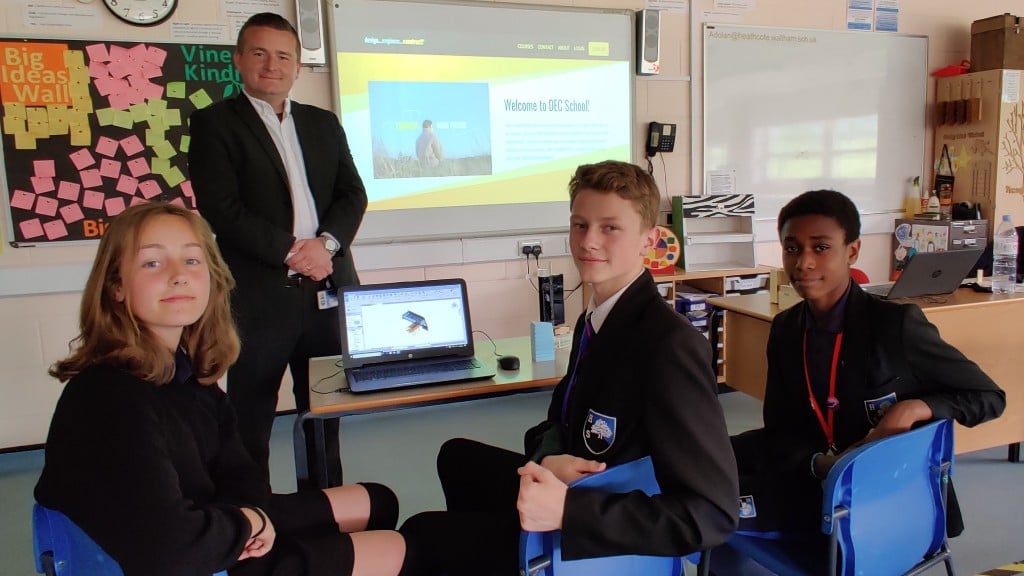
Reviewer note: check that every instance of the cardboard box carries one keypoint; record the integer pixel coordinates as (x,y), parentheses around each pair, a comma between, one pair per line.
(997,42)
(788,296)
(776,277)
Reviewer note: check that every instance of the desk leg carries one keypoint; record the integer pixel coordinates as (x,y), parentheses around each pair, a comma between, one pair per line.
(1013,452)
(299,448)
(302,472)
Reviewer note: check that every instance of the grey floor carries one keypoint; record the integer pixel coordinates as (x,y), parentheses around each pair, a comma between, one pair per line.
(398,449)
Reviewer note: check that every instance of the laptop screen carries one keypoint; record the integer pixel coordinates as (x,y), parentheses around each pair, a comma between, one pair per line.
(402,321)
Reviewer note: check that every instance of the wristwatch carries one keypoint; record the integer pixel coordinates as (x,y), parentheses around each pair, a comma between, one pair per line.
(331,245)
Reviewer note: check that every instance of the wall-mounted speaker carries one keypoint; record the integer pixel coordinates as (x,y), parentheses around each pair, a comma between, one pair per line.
(648,41)
(311,32)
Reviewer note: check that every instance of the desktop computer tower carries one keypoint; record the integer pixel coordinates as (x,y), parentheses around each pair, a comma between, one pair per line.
(552,299)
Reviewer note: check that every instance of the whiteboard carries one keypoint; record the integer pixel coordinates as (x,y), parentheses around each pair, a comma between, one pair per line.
(789,110)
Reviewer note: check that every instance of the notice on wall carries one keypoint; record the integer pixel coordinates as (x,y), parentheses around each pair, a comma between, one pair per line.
(90,128)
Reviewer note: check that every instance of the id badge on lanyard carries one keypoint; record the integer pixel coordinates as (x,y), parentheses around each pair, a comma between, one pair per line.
(826,420)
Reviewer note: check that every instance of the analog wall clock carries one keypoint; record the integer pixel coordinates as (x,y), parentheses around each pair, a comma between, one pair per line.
(142,12)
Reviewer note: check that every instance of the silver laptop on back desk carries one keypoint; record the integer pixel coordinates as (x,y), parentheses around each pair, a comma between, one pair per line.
(407,334)
(929,273)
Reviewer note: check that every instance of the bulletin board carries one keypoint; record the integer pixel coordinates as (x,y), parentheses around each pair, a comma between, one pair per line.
(90,128)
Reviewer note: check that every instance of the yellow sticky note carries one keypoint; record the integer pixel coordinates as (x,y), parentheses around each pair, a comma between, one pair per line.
(157,123)
(159,165)
(186,141)
(16,109)
(174,177)
(14,125)
(140,112)
(37,115)
(164,150)
(123,119)
(154,137)
(74,58)
(79,75)
(58,120)
(24,141)
(79,90)
(83,104)
(81,135)
(172,117)
(175,89)
(39,129)
(157,107)
(200,99)
(77,118)
(105,116)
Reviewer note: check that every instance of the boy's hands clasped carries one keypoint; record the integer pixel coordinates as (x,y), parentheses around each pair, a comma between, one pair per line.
(542,489)
(263,535)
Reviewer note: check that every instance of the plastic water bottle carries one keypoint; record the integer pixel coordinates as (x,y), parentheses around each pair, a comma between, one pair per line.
(1004,258)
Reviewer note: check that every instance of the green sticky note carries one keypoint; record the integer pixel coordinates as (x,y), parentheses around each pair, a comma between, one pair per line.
(173,177)
(175,89)
(123,119)
(157,123)
(200,99)
(105,116)
(172,117)
(186,141)
(165,150)
(160,166)
(157,107)
(154,137)
(139,112)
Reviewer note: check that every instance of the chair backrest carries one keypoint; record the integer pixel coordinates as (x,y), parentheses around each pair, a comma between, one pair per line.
(890,496)
(63,549)
(540,552)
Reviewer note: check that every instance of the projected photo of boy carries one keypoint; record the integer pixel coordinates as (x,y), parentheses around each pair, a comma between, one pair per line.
(430,129)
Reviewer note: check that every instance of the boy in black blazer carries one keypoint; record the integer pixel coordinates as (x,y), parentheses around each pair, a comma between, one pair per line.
(844,368)
(641,384)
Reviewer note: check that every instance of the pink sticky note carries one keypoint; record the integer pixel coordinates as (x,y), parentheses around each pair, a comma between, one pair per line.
(106,146)
(119,101)
(55,229)
(153,91)
(23,200)
(126,184)
(68,191)
(31,228)
(138,167)
(120,68)
(114,206)
(44,168)
(98,70)
(186,188)
(106,86)
(150,71)
(109,168)
(42,185)
(82,159)
(131,145)
(135,96)
(138,52)
(179,202)
(46,206)
(156,55)
(98,53)
(90,178)
(118,52)
(137,80)
(71,213)
(93,199)
(136,200)
(149,188)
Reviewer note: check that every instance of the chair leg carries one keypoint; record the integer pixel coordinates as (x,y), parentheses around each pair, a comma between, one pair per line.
(949,566)
(704,566)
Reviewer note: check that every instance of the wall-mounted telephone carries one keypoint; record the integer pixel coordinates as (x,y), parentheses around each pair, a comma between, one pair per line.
(660,138)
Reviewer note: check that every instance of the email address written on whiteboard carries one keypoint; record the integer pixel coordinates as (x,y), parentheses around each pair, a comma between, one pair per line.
(761,37)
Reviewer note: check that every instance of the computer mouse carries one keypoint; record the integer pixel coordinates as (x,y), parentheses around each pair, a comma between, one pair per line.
(509,362)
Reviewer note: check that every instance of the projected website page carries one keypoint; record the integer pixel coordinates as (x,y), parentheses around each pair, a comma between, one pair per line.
(447,105)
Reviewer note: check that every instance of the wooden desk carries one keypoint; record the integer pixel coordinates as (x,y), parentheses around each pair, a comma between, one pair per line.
(972,322)
(324,374)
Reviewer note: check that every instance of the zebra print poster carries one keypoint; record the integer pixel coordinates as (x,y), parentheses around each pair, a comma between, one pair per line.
(718,205)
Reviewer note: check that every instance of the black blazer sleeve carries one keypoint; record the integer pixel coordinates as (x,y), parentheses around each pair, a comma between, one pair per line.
(109,469)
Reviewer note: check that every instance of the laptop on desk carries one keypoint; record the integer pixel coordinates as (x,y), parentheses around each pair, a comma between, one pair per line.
(407,334)
(929,273)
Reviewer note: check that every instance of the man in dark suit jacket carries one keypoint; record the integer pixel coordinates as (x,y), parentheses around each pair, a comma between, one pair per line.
(277,183)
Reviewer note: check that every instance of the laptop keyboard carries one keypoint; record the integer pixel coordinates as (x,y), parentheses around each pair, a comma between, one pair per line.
(878,289)
(385,372)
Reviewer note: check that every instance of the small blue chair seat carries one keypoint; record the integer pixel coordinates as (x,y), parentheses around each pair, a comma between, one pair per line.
(540,553)
(63,549)
(884,509)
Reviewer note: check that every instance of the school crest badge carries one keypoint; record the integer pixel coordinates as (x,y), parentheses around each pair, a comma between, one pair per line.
(876,408)
(599,432)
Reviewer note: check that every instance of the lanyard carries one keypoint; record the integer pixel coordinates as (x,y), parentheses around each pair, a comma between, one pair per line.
(831,402)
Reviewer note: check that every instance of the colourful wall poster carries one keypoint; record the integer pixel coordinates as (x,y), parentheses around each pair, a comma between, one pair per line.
(90,128)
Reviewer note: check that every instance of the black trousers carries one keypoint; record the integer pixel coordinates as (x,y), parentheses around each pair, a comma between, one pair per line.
(479,533)
(281,327)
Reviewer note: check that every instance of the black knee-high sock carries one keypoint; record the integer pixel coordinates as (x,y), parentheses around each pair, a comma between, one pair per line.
(383,507)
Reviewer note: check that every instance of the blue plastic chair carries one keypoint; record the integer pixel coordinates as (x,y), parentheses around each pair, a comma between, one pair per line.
(884,508)
(64,549)
(540,553)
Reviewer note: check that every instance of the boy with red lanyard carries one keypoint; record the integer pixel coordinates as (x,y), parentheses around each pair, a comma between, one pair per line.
(844,368)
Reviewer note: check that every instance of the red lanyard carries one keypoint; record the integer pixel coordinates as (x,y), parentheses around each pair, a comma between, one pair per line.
(831,402)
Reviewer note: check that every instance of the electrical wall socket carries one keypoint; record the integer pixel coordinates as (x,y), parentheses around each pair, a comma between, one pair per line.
(524,244)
